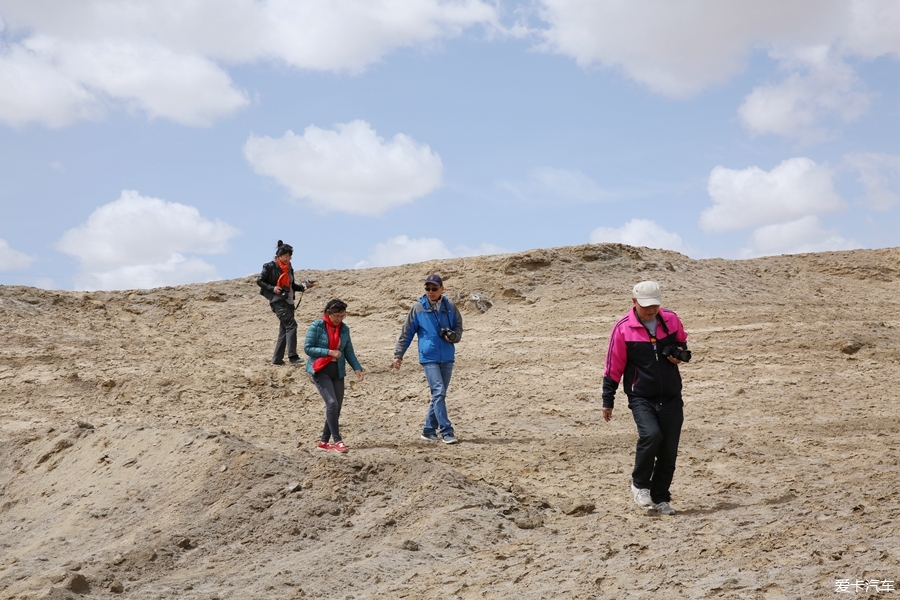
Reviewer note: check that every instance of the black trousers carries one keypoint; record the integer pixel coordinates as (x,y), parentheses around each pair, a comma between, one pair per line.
(659,431)
(287,331)
(331,387)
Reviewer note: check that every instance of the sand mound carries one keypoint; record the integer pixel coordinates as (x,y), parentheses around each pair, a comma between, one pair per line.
(149,450)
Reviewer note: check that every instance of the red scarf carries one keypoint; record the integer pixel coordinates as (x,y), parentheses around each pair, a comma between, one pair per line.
(284,280)
(334,342)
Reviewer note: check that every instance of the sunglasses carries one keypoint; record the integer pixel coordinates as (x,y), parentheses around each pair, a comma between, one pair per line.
(429,288)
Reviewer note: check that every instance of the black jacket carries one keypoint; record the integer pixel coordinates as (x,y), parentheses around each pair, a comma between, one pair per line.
(268,279)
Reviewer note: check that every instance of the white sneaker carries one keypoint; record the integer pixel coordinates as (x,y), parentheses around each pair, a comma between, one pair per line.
(641,496)
(664,508)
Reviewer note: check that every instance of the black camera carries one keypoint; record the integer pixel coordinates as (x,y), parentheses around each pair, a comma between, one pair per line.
(677,353)
(450,335)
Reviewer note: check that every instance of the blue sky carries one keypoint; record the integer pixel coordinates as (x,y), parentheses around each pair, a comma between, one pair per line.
(160,142)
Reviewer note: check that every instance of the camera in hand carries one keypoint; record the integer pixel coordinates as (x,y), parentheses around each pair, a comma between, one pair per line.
(450,335)
(676,352)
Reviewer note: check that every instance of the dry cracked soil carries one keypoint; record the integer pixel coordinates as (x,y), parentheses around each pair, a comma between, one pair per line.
(148,449)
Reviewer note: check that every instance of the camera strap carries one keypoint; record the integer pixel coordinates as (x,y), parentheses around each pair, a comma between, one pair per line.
(437,317)
(659,322)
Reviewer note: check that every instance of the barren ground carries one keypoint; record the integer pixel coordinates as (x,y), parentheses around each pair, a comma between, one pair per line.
(149,450)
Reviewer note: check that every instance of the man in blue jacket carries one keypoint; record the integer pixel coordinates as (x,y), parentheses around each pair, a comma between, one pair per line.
(437,322)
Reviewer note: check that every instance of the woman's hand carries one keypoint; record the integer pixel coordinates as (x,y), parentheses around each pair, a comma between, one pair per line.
(360,375)
(334,353)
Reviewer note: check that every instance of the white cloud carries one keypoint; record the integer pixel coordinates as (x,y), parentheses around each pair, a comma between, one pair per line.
(550,185)
(349,169)
(31,89)
(484,249)
(176,270)
(751,197)
(880,176)
(680,48)
(140,242)
(639,232)
(403,250)
(802,235)
(44,283)
(57,83)
(13,260)
(817,86)
(872,28)
(72,60)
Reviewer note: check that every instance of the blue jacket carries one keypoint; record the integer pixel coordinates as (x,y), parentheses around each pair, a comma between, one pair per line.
(427,324)
(316,346)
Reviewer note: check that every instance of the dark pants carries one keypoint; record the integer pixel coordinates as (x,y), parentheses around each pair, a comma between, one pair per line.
(331,387)
(287,331)
(659,430)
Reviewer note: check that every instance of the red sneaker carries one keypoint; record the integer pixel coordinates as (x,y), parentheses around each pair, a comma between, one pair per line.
(339,446)
(323,446)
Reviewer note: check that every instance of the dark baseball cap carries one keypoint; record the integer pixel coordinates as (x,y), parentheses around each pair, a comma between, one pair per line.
(435,279)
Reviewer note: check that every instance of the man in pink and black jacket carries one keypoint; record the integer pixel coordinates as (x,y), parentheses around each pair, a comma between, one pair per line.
(645,348)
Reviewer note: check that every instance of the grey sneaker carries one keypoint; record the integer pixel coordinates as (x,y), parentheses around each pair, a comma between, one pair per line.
(663,508)
(641,496)
(431,437)
(449,439)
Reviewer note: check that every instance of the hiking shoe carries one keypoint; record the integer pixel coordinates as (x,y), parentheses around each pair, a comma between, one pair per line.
(431,437)
(323,446)
(339,446)
(296,360)
(449,439)
(641,496)
(278,362)
(663,508)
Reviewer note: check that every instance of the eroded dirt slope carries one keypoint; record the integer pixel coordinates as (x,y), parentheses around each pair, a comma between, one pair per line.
(149,450)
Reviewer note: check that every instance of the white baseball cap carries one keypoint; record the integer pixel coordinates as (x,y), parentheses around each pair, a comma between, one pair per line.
(647,293)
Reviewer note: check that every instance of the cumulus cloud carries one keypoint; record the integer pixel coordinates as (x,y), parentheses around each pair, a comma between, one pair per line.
(817,86)
(794,237)
(348,169)
(13,260)
(140,242)
(557,186)
(57,83)
(403,250)
(751,197)
(639,232)
(71,61)
(484,249)
(176,270)
(880,176)
(680,48)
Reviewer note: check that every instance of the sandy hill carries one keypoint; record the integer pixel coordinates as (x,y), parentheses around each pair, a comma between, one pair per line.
(149,450)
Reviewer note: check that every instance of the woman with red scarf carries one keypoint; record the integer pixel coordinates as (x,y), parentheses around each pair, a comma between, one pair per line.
(276,283)
(329,347)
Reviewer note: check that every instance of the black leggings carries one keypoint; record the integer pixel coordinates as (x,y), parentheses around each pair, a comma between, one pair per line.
(331,386)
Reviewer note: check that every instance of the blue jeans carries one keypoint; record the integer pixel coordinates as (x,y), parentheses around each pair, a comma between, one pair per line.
(659,431)
(438,376)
